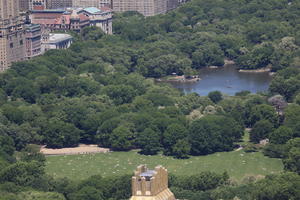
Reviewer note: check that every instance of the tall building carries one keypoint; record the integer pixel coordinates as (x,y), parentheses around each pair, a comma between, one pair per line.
(24,5)
(91,3)
(33,40)
(12,34)
(151,184)
(37,4)
(54,4)
(145,7)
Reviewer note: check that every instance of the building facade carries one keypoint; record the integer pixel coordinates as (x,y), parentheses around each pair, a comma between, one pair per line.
(145,7)
(53,20)
(91,3)
(150,184)
(33,40)
(73,19)
(37,4)
(24,5)
(101,18)
(56,41)
(12,34)
(61,4)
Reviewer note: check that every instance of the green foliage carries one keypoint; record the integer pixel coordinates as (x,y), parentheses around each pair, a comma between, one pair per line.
(199,182)
(281,135)
(261,130)
(171,136)
(213,133)
(292,160)
(59,134)
(22,173)
(121,138)
(181,149)
(149,141)
(92,33)
(40,196)
(215,96)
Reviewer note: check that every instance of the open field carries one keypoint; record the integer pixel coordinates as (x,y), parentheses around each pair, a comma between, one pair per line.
(237,163)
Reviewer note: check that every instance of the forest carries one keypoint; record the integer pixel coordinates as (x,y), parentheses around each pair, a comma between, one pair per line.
(103,91)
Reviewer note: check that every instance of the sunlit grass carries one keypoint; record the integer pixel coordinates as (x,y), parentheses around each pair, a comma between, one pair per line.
(238,164)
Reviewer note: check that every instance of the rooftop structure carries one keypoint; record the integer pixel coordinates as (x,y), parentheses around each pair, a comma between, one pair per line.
(99,17)
(56,41)
(53,20)
(151,184)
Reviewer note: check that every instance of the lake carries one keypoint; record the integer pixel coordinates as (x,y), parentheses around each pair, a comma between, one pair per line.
(226,80)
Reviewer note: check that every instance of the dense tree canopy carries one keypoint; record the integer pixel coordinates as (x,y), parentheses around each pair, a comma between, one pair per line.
(101,90)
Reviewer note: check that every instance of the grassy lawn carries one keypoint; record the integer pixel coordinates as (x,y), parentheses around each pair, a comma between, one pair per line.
(237,163)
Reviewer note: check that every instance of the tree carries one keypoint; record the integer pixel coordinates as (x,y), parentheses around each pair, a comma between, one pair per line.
(173,133)
(215,96)
(121,138)
(281,135)
(22,173)
(292,117)
(261,130)
(59,134)
(92,33)
(292,163)
(120,94)
(87,192)
(149,141)
(32,153)
(181,149)
(278,102)
(212,134)
(292,160)
(29,195)
(277,187)
(263,112)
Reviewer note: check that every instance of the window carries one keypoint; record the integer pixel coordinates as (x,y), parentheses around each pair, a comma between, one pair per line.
(21,42)
(11,45)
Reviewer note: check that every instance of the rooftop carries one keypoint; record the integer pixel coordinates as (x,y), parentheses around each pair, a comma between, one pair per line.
(148,173)
(58,37)
(92,10)
(49,11)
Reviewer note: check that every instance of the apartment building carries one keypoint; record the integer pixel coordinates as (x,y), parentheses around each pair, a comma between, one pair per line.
(55,4)
(91,3)
(24,5)
(32,40)
(12,34)
(145,7)
(37,4)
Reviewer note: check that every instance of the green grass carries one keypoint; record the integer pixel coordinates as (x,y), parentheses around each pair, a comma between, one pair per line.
(237,163)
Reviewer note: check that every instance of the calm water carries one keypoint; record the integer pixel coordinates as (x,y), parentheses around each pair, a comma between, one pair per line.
(226,80)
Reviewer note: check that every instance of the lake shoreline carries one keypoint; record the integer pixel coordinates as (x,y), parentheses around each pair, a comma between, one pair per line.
(227,80)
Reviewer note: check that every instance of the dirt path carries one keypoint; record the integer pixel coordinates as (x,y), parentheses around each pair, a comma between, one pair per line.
(81,149)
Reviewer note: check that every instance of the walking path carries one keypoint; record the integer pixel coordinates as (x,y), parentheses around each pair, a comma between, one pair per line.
(81,149)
